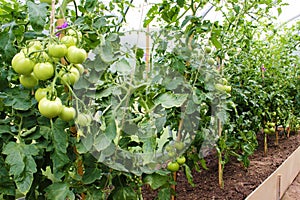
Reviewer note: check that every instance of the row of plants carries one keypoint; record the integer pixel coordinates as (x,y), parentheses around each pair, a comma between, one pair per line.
(85,116)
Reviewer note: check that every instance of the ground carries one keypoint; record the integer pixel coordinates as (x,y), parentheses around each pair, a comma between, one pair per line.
(239,182)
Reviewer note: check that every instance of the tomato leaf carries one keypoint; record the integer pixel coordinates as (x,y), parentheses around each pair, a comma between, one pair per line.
(164,193)
(124,193)
(169,100)
(7,50)
(155,180)
(180,3)
(37,15)
(22,165)
(60,144)
(188,174)
(59,191)
(6,184)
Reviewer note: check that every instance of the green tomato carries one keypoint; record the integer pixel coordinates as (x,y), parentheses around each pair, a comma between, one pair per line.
(50,108)
(68,41)
(40,93)
(43,71)
(211,61)
(70,77)
(266,131)
(76,55)
(179,145)
(21,64)
(57,50)
(272,130)
(67,113)
(80,68)
(207,49)
(225,88)
(173,166)
(171,154)
(180,160)
(76,34)
(36,45)
(28,81)
(83,119)
(224,81)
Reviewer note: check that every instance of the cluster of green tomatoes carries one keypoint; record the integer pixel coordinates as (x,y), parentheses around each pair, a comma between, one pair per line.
(270,128)
(42,65)
(172,151)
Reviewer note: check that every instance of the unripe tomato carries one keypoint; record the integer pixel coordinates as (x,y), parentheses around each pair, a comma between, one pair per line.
(36,45)
(50,108)
(71,77)
(76,55)
(207,49)
(83,119)
(57,50)
(224,81)
(43,71)
(40,93)
(211,61)
(21,64)
(179,145)
(180,160)
(28,81)
(68,41)
(227,88)
(80,68)
(266,131)
(221,87)
(173,166)
(67,113)
(76,34)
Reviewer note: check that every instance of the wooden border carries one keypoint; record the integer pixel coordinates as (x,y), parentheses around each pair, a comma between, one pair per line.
(274,187)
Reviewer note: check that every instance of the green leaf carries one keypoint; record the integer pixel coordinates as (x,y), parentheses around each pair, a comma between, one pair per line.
(216,42)
(15,158)
(169,100)
(59,191)
(6,184)
(155,180)
(91,174)
(60,143)
(180,3)
(188,174)
(37,15)
(6,45)
(164,194)
(124,193)
(106,53)
(122,67)
(22,165)
(101,142)
(49,174)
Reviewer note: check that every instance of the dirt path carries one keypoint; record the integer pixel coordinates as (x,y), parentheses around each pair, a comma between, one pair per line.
(293,192)
(239,182)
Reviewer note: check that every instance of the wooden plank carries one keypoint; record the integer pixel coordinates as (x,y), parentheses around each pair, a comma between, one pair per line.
(278,182)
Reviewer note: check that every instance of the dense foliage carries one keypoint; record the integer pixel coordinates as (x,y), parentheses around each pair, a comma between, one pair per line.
(85,116)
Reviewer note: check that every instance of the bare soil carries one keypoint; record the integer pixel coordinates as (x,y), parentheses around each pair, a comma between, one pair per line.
(238,181)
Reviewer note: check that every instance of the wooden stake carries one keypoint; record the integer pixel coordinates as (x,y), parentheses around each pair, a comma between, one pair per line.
(174,186)
(221,182)
(278,187)
(265,144)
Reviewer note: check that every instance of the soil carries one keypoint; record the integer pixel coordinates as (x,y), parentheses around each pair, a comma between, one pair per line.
(238,181)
